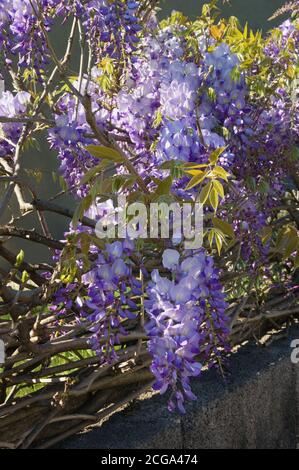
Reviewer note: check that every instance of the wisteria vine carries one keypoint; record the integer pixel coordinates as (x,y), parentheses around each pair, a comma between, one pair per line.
(158,111)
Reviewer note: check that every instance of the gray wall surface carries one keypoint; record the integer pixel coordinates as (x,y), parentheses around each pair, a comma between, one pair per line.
(256,12)
(256,408)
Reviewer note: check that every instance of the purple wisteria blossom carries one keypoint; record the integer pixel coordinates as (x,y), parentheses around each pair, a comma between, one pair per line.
(188,327)
(107,299)
(12,106)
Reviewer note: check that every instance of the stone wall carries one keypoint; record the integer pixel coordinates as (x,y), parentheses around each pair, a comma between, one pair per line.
(256,408)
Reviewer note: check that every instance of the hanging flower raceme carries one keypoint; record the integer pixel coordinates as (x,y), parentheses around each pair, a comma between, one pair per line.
(12,106)
(188,327)
(286,37)
(111,27)
(111,288)
(104,299)
(72,134)
(21,32)
(121,28)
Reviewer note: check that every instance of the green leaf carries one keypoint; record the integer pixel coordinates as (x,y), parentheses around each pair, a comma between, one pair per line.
(205,193)
(194,172)
(121,182)
(287,241)
(219,242)
(106,153)
(164,186)
(106,65)
(221,173)
(195,165)
(158,119)
(224,226)
(292,246)
(19,259)
(219,188)
(25,277)
(104,82)
(197,179)
(214,198)
(291,71)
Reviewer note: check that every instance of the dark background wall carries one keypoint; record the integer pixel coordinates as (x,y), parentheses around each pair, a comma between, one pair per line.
(256,12)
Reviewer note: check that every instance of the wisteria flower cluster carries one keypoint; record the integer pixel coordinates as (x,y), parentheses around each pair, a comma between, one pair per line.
(187,321)
(176,111)
(96,301)
(24,24)
(12,106)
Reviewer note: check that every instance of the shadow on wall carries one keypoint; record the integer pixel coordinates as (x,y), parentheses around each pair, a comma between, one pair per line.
(43,161)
